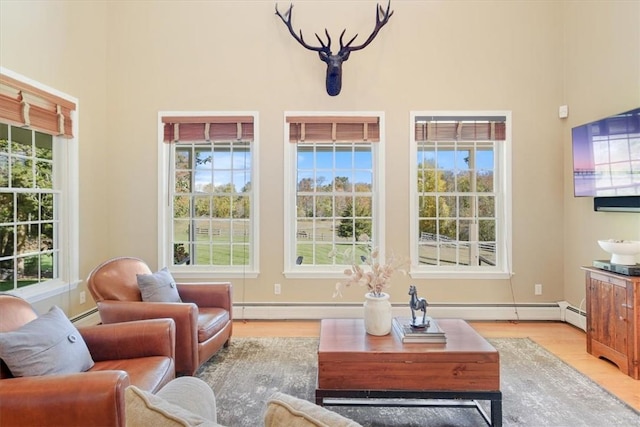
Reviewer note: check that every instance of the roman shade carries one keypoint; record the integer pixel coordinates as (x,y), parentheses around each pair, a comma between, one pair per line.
(207,128)
(460,129)
(27,106)
(333,128)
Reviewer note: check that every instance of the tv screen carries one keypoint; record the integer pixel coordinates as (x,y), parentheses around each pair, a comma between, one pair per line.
(606,156)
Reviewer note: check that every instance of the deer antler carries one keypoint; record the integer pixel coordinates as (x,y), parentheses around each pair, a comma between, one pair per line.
(380,22)
(344,48)
(287,21)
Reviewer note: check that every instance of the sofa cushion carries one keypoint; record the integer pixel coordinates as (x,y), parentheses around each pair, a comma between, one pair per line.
(211,320)
(47,345)
(285,410)
(145,409)
(158,287)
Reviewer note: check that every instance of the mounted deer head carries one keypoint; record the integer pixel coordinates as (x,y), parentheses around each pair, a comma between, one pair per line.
(334,62)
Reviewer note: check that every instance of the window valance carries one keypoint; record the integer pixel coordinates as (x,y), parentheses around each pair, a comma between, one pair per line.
(28,106)
(208,128)
(450,129)
(333,128)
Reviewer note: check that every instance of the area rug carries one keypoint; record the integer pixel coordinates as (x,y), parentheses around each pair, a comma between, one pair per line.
(538,388)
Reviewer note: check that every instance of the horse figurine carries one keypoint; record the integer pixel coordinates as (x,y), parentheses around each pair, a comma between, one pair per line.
(417,303)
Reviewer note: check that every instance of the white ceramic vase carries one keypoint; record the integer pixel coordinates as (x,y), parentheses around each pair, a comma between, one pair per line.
(377,314)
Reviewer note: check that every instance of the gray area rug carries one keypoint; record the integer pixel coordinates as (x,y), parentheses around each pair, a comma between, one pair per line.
(538,388)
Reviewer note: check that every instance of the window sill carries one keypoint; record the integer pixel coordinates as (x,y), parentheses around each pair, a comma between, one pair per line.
(42,291)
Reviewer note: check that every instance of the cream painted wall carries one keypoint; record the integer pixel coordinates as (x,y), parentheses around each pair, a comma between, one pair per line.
(223,55)
(602,74)
(62,44)
(127,60)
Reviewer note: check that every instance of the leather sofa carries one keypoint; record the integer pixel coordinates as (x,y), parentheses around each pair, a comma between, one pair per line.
(203,319)
(134,353)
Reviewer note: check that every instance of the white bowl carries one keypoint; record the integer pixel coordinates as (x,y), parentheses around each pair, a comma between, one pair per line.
(622,251)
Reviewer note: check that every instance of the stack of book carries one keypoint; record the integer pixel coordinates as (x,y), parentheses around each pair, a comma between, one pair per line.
(429,334)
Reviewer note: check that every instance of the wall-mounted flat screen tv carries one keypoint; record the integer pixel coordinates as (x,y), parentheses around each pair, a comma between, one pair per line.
(606,156)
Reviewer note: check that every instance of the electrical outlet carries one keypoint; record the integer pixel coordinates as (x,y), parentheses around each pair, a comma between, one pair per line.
(83,297)
(538,289)
(276,288)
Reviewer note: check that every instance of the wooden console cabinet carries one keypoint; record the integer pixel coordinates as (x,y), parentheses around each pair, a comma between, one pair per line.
(613,318)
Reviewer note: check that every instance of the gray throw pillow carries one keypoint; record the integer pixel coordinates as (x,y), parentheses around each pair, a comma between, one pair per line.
(158,287)
(47,345)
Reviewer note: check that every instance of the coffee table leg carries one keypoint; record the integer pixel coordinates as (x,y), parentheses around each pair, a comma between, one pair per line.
(496,413)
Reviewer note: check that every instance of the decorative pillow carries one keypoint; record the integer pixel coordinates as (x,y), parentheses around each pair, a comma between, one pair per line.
(145,409)
(47,345)
(158,287)
(290,411)
(192,394)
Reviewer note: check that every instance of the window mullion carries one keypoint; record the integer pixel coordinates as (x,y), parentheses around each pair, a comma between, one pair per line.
(462,212)
(221,197)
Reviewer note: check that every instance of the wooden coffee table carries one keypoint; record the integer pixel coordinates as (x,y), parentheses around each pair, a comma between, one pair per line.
(355,368)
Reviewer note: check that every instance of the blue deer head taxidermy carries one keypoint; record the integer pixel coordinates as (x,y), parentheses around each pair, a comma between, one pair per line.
(334,61)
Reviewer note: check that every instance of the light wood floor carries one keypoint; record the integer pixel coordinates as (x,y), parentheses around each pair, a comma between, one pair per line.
(565,341)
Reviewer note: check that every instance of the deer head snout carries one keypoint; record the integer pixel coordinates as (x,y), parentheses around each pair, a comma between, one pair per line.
(334,74)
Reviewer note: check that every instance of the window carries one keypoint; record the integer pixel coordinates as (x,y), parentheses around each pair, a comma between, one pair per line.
(461,194)
(38,190)
(208,200)
(333,191)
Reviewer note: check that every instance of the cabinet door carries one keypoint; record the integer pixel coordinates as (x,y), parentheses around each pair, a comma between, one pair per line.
(601,326)
(593,307)
(620,320)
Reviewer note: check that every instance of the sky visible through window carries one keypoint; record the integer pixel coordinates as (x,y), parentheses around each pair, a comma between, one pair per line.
(356,164)
(224,167)
(227,167)
(452,160)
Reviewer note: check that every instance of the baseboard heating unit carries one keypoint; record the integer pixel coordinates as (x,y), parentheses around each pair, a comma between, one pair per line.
(88,318)
(576,317)
(545,311)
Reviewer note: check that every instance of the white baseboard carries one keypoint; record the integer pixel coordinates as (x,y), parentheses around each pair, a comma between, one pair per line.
(560,311)
(266,311)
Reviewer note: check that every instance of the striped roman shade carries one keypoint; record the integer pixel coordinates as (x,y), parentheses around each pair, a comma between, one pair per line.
(208,128)
(27,106)
(333,128)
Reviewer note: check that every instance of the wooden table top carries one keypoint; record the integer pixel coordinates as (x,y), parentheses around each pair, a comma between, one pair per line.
(349,336)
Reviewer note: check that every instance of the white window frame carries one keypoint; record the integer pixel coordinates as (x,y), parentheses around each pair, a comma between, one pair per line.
(291,270)
(166,154)
(66,177)
(502,179)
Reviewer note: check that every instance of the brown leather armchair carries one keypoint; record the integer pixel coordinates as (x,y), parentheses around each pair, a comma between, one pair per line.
(138,353)
(203,320)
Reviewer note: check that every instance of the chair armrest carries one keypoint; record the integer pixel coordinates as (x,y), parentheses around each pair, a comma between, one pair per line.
(207,294)
(83,399)
(128,340)
(185,316)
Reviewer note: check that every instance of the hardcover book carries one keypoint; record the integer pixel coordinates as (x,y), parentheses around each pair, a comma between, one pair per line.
(429,334)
